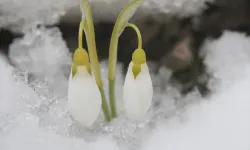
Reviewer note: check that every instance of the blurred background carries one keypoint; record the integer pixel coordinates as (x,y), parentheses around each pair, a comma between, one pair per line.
(198,53)
(173,30)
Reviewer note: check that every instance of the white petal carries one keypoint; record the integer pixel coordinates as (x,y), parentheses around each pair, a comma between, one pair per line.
(137,93)
(84,98)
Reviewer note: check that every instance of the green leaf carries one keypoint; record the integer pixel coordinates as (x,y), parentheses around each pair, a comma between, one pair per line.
(123,18)
(126,13)
(86,16)
(84,5)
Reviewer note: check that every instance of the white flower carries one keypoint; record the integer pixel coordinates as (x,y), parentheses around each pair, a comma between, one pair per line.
(84,98)
(138,90)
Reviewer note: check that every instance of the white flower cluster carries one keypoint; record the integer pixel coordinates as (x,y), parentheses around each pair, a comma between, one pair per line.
(85,96)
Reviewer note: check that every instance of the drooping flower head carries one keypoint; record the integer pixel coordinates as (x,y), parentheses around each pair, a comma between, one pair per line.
(80,58)
(138,88)
(138,59)
(85,93)
(121,22)
(84,98)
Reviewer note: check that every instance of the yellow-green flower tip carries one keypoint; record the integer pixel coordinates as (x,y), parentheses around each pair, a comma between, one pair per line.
(75,67)
(81,57)
(139,56)
(74,70)
(136,69)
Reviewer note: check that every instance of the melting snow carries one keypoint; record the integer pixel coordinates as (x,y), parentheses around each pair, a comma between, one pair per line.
(33,112)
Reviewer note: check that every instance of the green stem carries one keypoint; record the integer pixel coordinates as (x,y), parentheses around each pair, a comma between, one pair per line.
(90,37)
(95,63)
(137,32)
(80,34)
(112,98)
(105,108)
(112,63)
(112,69)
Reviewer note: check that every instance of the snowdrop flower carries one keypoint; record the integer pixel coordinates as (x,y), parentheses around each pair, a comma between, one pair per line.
(84,98)
(138,88)
(121,23)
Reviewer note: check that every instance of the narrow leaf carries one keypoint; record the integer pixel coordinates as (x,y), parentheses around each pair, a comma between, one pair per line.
(127,12)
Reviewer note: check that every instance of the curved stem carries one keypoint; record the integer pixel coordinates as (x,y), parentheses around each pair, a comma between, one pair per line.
(80,34)
(137,32)
(112,63)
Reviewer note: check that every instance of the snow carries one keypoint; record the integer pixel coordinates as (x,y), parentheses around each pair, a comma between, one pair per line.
(37,139)
(44,53)
(33,112)
(222,122)
(20,15)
